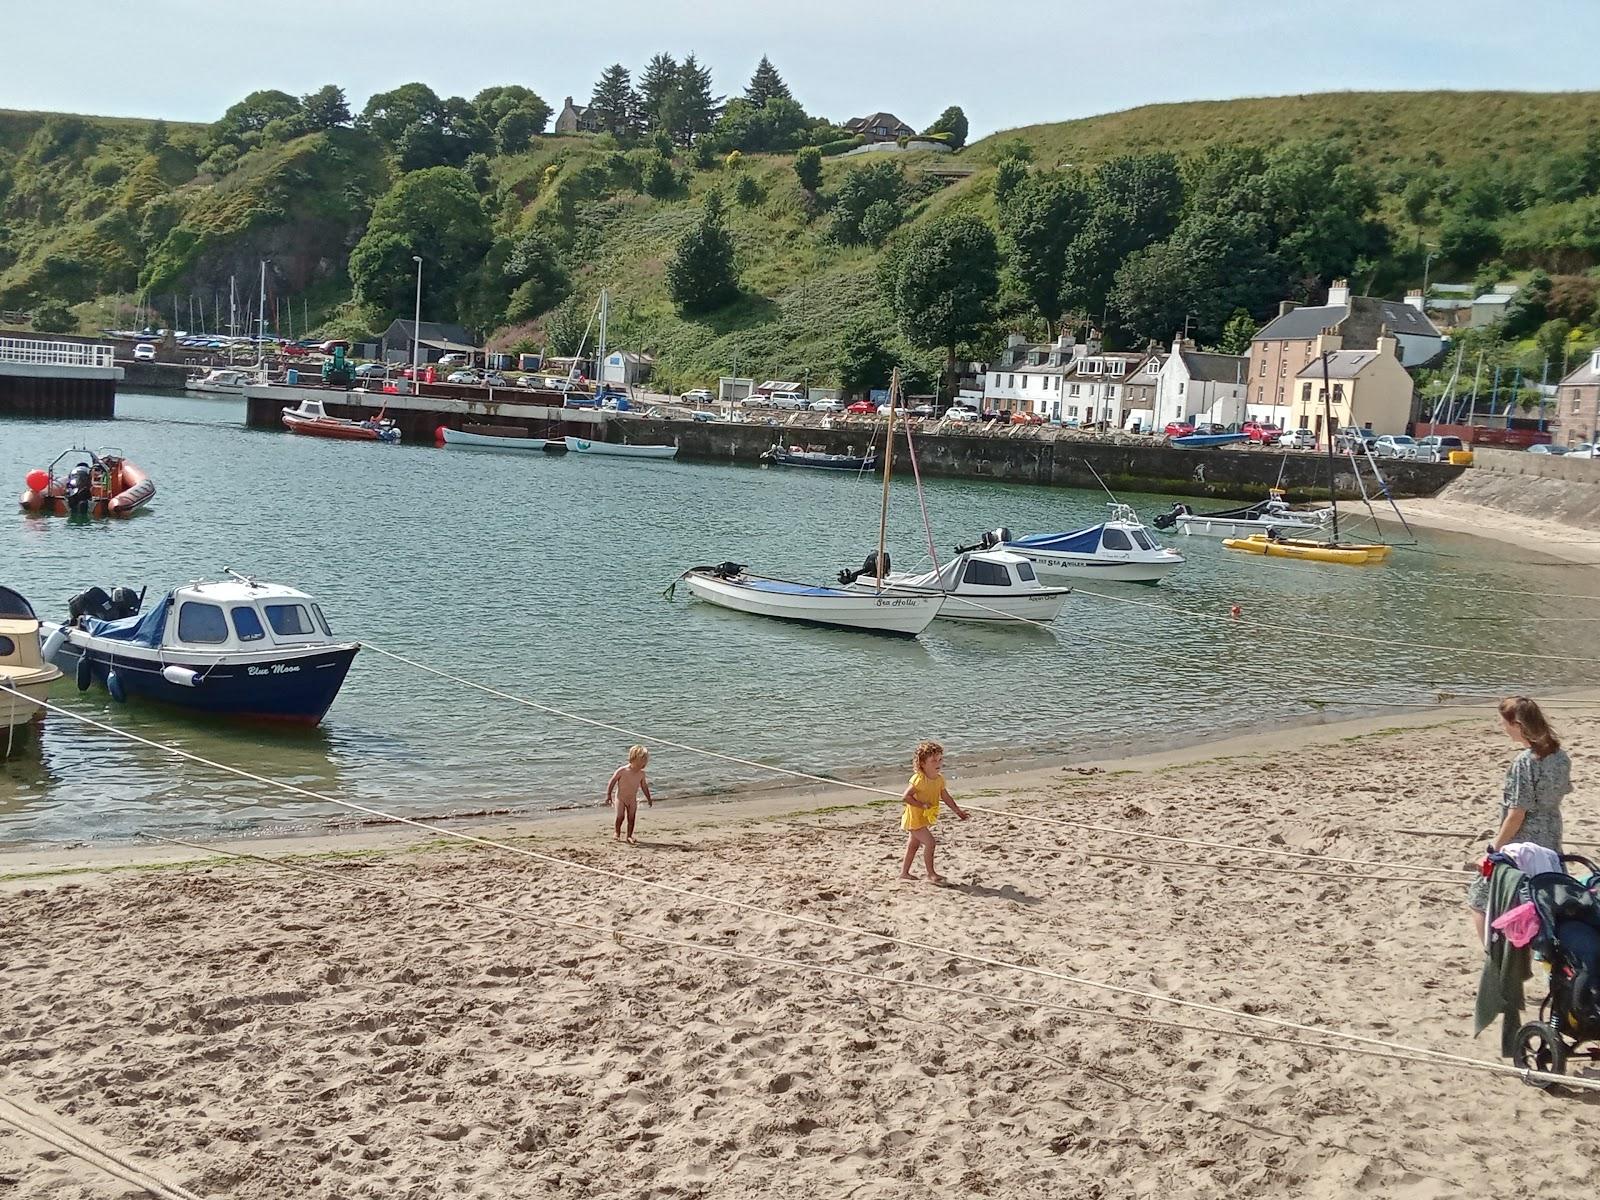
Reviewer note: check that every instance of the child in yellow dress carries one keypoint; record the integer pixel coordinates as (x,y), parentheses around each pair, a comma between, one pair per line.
(924,794)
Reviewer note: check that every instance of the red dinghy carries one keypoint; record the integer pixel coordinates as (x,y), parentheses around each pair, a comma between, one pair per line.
(96,485)
(309,418)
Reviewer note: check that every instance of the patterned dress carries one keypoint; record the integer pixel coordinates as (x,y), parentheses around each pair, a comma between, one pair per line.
(1537,785)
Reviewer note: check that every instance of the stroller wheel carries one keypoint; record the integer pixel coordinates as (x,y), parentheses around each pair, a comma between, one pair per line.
(1540,1048)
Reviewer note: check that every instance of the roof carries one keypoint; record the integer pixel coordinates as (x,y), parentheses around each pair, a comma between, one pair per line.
(1303,324)
(431,332)
(1216,368)
(1492,298)
(444,344)
(877,118)
(1584,374)
(1342,364)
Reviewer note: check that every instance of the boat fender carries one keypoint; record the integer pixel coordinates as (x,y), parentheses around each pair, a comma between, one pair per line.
(52,644)
(181,676)
(85,673)
(114,686)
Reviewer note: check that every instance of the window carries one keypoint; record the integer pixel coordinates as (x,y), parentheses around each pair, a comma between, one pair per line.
(7,646)
(1024,383)
(1263,371)
(1283,369)
(1118,366)
(1305,393)
(1180,387)
(289,620)
(322,620)
(247,625)
(1144,543)
(1072,410)
(1073,390)
(1115,539)
(1280,395)
(203,623)
(1013,381)
(1338,393)
(1025,572)
(987,574)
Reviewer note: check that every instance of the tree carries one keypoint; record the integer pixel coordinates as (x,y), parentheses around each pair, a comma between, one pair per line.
(953,122)
(864,361)
(1551,341)
(1573,298)
(863,187)
(564,327)
(747,192)
(494,104)
(1040,219)
(1467,240)
(387,115)
(612,104)
(701,276)
(1530,307)
(434,213)
(656,85)
(808,168)
(658,178)
(1212,265)
(947,277)
(766,85)
(515,131)
(155,138)
(1135,201)
(534,271)
(690,110)
(325,108)
(880,220)
(780,126)
(1238,333)
(252,114)
(53,316)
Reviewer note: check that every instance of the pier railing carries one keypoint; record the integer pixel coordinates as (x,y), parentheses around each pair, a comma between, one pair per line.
(56,354)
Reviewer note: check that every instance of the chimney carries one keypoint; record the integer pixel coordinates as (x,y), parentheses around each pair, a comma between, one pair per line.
(1014,339)
(1415,299)
(1285,307)
(569,101)
(1387,342)
(1339,294)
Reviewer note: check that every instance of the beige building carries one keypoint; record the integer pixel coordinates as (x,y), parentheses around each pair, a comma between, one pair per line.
(1371,390)
(1577,416)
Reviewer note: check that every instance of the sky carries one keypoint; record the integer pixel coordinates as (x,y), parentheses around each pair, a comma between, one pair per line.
(1006,63)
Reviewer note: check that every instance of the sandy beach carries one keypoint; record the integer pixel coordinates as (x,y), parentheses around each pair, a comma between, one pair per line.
(404,1018)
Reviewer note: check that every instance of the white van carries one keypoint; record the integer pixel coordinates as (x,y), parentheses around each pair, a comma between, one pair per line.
(788,400)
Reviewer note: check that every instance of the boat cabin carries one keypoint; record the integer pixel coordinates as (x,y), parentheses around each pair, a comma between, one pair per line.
(993,571)
(310,409)
(234,615)
(19,631)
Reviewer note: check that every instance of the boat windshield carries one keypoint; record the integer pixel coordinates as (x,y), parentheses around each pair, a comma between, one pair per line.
(987,574)
(1142,541)
(1114,539)
(1025,572)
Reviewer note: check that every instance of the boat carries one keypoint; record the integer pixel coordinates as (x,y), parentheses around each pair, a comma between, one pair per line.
(504,437)
(24,675)
(618,449)
(894,612)
(981,584)
(1120,550)
(1202,441)
(98,484)
(1349,554)
(794,456)
(1265,515)
(223,381)
(310,418)
(235,648)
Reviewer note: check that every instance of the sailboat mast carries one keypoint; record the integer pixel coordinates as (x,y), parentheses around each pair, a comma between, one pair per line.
(888,471)
(1327,409)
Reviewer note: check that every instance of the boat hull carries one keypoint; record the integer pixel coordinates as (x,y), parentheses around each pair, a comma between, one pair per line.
(1349,555)
(1017,608)
(618,449)
(292,686)
(1075,568)
(1202,441)
(18,688)
(334,427)
(1199,525)
(822,462)
(902,615)
(487,441)
(128,490)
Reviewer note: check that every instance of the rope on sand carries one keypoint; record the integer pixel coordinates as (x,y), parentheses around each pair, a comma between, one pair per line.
(639,881)
(44,1127)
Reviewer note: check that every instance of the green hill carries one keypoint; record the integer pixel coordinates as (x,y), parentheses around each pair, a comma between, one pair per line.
(93,206)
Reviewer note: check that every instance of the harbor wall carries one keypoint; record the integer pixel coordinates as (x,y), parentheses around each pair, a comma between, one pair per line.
(1542,466)
(34,390)
(1547,487)
(153,376)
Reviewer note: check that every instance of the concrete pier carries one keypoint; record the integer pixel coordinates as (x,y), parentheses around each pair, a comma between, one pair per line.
(48,378)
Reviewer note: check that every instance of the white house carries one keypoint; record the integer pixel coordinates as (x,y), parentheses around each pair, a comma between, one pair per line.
(1069,381)
(1197,386)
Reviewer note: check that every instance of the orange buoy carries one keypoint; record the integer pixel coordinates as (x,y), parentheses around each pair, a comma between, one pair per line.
(1236,611)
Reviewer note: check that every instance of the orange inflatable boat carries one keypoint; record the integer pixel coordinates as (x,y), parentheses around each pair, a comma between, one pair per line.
(86,483)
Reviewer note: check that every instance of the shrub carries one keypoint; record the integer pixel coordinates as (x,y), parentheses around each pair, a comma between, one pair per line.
(734,160)
(808,168)
(747,192)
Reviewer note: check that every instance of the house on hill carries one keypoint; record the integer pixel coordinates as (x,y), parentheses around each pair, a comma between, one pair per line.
(1371,389)
(576,118)
(880,127)
(1577,417)
(434,338)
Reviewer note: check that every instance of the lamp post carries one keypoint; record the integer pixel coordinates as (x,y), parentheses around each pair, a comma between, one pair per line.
(1427,262)
(416,327)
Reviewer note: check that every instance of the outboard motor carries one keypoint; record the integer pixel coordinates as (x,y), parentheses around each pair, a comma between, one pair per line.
(91,603)
(989,541)
(79,489)
(124,603)
(728,570)
(1168,519)
(869,567)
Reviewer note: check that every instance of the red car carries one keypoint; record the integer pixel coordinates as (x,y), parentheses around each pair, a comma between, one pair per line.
(1258,431)
(1178,429)
(863,408)
(293,351)
(1026,418)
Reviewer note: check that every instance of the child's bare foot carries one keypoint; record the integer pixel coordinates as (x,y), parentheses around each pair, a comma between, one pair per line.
(903,875)
(617,836)
(935,878)
(631,840)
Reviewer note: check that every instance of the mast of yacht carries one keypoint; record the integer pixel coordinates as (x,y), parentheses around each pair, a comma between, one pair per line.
(1327,410)
(888,471)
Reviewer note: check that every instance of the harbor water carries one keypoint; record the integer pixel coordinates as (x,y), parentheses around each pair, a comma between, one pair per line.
(545,577)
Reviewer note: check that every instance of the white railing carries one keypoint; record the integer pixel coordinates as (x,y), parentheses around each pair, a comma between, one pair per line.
(56,354)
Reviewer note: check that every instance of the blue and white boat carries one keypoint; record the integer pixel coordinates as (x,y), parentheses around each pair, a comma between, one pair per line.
(1120,550)
(1204,441)
(236,648)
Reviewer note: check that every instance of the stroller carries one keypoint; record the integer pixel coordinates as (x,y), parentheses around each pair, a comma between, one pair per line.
(1569,939)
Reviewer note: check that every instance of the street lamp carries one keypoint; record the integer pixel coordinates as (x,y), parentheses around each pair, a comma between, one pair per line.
(1427,261)
(416,327)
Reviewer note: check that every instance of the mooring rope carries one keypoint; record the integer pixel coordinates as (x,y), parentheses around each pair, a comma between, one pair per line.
(44,1127)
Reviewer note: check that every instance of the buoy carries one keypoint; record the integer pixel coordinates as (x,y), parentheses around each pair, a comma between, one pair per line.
(182,676)
(53,643)
(38,479)
(114,686)
(85,674)
(438,435)
(1236,611)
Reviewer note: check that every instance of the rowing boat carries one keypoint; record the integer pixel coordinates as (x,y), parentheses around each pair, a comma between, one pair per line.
(618,449)
(895,612)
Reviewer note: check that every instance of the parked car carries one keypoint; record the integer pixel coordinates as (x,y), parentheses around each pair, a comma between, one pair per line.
(1178,429)
(1395,445)
(371,371)
(961,414)
(1436,448)
(827,406)
(1262,432)
(1546,448)
(1023,417)
(144,352)
(1584,450)
(922,410)
(697,396)
(452,360)
(579,400)
(330,347)
(1298,439)
(993,414)
(788,400)
(293,350)
(461,377)
(863,408)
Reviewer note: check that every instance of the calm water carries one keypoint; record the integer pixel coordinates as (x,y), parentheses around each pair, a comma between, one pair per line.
(544,576)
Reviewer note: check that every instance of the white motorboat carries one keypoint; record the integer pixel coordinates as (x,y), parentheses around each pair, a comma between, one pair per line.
(896,612)
(980,584)
(504,439)
(1119,550)
(223,381)
(25,677)
(1261,517)
(618,449)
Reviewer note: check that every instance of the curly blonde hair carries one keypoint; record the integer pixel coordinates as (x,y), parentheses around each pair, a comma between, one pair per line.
(925,751)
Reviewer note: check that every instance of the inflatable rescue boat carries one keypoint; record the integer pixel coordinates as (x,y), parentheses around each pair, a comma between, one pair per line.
(85,483)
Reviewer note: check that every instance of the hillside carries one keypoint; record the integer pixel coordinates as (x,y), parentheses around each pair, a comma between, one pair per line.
(1490,184)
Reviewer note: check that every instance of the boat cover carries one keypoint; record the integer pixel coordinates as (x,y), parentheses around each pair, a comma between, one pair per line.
(1085,541)
(793,589)
(12,604)
(141,629)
